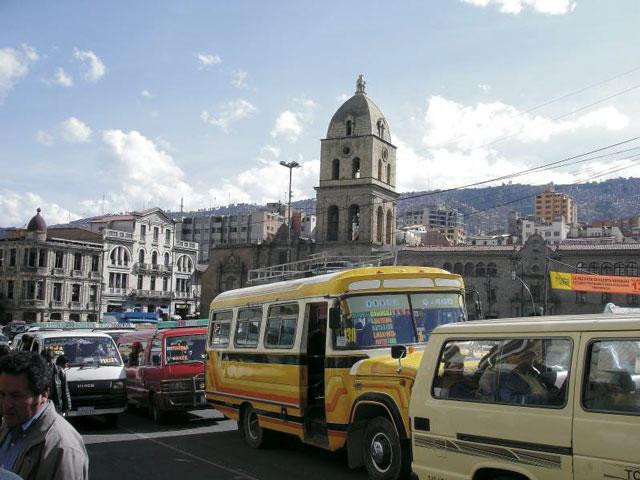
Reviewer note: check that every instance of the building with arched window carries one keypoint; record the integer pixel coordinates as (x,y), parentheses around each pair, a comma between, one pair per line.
(356,196)
(52,274)
(146,267)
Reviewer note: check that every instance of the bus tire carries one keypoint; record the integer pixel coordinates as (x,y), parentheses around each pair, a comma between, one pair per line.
(382,452)
(252,433)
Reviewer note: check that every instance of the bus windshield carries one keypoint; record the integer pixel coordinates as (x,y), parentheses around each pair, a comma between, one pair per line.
(185,349)
(85,351)
(395,319)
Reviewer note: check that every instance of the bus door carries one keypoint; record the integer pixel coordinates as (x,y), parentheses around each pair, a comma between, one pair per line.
(315,424)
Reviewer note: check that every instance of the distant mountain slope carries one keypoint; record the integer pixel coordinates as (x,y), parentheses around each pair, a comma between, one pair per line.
(487,208)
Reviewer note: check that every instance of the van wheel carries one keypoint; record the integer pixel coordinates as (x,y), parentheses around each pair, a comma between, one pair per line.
(382,452)
(158,415)
(252,433)
(111,420)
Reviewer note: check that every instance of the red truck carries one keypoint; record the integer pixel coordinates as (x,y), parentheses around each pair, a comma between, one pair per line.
(165,367)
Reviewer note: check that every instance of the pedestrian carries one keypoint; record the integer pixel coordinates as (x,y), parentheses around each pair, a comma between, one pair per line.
(36,442)
(58,388)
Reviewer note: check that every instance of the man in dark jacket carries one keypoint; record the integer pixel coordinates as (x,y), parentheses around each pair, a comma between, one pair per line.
(35,441)
(58,389)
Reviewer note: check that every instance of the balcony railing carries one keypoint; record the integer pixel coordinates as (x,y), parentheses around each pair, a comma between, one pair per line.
(116,291)
(57,304)
(76,305)
(119,235)
(150,267)
(58,271)
(182,294)
(34,302)
(150,293)
(96,275)
(183,244)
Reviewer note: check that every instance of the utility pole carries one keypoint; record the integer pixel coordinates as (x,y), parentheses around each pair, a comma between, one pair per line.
(290,166)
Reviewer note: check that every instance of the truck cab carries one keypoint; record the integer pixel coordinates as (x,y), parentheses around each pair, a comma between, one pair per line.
(165,367)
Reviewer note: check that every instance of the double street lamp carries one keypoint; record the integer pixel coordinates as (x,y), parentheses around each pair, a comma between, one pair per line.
(290,166)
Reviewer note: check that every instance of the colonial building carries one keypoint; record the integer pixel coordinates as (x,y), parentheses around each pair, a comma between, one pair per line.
(146,268)
(50,274)
(513,280)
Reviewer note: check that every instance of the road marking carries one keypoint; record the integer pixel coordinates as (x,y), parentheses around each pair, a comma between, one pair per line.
(153,437)
(223,426)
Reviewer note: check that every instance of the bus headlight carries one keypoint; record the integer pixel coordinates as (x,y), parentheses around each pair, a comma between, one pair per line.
(117,385)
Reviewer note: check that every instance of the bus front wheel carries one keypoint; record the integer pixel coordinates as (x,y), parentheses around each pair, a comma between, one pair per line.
(383,454)
(253,434)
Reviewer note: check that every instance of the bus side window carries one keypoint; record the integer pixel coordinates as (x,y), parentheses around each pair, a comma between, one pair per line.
(248,327)
(220,329)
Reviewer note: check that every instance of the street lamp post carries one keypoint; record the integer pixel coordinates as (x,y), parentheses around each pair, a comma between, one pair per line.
(533,305)
(290,166)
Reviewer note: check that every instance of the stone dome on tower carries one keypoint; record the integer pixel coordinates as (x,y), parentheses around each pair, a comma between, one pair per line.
(359,116)
(37,223)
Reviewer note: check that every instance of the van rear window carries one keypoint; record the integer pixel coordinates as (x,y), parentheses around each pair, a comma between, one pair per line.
(514,371)
(613,377)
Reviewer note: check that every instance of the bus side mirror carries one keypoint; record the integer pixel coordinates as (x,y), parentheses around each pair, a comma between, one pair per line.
(334,318)
(398,351)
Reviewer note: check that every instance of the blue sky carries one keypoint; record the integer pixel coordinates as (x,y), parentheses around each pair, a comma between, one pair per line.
(142,103)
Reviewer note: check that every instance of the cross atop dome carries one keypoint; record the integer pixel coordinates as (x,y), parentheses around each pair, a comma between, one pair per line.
(360,83)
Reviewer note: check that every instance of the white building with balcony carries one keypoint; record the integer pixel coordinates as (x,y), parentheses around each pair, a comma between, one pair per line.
(145,268)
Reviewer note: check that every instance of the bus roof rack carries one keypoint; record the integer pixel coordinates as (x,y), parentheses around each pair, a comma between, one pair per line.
(201,322)
(316,264)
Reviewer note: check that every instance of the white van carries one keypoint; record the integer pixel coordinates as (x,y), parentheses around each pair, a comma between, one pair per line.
(96,376)
(529,399)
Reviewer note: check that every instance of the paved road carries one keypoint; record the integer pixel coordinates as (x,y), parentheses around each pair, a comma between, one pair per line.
(200,445)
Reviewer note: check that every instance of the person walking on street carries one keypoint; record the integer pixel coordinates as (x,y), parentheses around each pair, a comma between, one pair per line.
(58,389)
(36,442)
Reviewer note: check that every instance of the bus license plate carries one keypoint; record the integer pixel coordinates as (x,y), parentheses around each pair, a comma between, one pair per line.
(86,410)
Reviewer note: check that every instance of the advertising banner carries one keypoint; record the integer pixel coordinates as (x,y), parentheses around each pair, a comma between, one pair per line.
(595,283)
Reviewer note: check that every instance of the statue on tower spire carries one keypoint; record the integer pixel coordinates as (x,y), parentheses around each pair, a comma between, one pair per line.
(360,84)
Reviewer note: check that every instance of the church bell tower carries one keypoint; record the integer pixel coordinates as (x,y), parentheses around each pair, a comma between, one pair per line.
(356,197)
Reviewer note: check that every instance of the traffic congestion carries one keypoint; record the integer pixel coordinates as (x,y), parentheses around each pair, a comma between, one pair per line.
(377,366)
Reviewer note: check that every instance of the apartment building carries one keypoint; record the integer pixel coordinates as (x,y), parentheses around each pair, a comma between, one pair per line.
(550,205)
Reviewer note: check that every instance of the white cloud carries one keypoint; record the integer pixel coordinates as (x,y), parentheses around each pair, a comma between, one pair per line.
(484,88)
(239,79)
(17,208)
(230,112)
(290,123)
(514,7)
(73,130)
(268,182)
(462,139)
(14,65)
(207,60)
(147,174)
(271,150)
(45,138)
(62,78)
(94,69)
(146,93)
(70,130)
(467,127)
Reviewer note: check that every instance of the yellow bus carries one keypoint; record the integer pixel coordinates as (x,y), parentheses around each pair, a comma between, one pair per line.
(330,359)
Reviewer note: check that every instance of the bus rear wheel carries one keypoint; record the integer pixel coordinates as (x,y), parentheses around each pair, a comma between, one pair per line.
(383,454)
(252,433)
